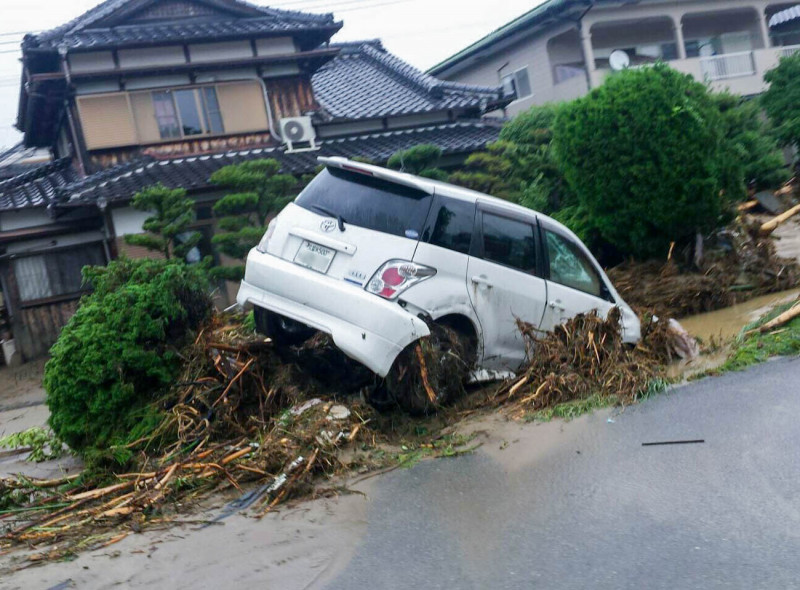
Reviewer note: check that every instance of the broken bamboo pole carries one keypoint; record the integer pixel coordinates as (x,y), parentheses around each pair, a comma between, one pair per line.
(770,226)
(786,317)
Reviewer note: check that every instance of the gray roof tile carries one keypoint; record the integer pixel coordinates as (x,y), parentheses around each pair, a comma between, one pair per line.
(365,81)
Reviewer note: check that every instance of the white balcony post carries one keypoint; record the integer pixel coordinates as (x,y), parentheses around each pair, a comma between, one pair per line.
(588,51)
(762,21)
(678,27)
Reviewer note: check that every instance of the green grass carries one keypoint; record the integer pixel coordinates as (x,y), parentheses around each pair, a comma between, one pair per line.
(576,408)
(756,347)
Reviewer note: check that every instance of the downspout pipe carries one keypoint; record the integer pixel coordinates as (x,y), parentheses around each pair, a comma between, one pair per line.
(62,52)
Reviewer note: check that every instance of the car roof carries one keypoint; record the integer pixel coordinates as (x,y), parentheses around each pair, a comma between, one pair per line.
(438,187)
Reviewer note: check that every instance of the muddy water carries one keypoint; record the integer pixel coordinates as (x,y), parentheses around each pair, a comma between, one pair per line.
(724,324)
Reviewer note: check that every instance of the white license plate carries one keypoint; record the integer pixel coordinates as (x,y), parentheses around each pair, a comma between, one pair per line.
(314,256)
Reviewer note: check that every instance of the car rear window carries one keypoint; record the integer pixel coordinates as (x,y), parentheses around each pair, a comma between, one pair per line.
(367,202)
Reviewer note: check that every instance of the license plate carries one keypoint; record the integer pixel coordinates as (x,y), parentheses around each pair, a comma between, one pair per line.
(314,256)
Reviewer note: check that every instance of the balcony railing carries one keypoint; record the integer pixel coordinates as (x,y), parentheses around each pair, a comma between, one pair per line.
(789,50)
(729,65)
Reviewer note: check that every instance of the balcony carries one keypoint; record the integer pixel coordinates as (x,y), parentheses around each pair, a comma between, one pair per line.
(730,65)
(789,50)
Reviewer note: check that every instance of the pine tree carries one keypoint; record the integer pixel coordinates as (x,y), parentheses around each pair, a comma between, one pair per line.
(260,192)
(173,212)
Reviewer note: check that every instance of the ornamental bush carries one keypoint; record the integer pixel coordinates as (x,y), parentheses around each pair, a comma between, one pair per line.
(781,101)
(119,352)
(646,157)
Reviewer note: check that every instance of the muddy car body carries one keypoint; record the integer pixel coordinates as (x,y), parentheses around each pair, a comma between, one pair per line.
(373,257)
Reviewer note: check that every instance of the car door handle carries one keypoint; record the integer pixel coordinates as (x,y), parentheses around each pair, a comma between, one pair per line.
(482,281)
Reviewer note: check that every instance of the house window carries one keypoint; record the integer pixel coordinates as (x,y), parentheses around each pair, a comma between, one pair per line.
(517,83)
(184,113)
(56,273)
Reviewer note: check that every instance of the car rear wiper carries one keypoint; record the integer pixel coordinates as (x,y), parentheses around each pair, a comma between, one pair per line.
(320,209)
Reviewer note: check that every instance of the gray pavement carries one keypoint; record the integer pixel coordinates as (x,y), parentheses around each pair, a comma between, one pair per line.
(598,510)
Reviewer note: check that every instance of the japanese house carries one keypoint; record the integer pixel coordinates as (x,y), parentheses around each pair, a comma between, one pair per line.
(137,92)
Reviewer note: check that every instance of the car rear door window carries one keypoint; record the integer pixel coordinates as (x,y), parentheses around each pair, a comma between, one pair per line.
(367,202)
(570,267)
(454,224)
(509,242)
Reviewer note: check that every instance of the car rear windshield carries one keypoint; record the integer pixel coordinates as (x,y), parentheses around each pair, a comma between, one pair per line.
(367,202)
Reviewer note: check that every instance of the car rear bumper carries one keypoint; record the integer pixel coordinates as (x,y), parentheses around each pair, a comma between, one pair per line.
(365,327)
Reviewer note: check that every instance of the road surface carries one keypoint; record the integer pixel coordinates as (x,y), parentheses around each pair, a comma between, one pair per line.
(599,510)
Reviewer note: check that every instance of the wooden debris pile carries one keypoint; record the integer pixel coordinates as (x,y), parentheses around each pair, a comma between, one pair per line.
(584,357)
(239,416)
(741,265)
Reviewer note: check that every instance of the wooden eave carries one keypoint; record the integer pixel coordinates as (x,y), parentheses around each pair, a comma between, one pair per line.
(316,57)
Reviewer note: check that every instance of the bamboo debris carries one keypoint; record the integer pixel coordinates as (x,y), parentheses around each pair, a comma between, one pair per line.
(245,439)
(783,319)
(770,226)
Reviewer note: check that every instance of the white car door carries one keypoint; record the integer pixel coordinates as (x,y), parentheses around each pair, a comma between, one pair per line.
(574,283)
(505,284)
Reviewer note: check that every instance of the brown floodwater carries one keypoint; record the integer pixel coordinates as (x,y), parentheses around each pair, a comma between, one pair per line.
(724,324)
(719,328)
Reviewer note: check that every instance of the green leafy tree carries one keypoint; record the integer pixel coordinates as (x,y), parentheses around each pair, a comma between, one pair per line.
(755,154)
(167,229)
(261,192)
(781,101)
(645,155)
(120,351)
(422,160)
(520,167)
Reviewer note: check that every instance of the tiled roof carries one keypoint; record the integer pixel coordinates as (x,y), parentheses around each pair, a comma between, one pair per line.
(80,33)
(58,184)
(38,187)
(785,16)
(365,81)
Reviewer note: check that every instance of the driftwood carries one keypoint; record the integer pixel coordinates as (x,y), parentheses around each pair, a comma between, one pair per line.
(748,205)
(786,317)
(771,225)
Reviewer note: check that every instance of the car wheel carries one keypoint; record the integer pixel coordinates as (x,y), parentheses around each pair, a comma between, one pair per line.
(447,356)
(283,331)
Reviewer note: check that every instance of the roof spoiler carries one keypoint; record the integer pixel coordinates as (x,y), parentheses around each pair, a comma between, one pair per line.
(378,172)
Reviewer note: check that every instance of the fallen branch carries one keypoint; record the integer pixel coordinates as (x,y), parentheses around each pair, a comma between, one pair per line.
(423,369)
(771,225)
(786,317)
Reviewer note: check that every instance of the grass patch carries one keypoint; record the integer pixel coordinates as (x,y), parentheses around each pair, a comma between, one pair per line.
(573,409)
(755,348)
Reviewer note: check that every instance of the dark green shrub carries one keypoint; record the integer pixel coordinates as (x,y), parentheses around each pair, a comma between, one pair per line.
(646,157)
(754,150)
(119,352)
(782,100)
(422,160)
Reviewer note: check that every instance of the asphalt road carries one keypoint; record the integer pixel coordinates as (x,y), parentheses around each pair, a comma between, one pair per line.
(599,510)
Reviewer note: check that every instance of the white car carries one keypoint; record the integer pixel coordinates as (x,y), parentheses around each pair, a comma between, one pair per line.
(372,257)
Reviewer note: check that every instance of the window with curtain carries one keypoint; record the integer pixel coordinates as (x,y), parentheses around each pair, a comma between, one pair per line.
(189,112)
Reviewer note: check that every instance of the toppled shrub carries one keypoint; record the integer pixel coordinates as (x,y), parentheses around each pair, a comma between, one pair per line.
(119,351)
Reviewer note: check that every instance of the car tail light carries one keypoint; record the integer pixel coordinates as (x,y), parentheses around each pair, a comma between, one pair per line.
(262,245)
(396,276)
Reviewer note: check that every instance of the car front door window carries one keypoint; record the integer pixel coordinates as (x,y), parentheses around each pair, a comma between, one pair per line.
(570,267)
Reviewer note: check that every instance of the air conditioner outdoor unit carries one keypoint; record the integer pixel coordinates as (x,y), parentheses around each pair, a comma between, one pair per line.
(298,130)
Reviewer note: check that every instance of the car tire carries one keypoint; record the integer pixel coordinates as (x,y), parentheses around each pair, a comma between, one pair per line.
(450,357)
(282,330)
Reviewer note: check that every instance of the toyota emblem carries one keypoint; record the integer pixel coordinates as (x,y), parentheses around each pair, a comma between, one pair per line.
(327,225)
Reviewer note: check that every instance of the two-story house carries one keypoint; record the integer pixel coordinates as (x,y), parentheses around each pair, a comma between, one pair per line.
(138,92)
(561,49)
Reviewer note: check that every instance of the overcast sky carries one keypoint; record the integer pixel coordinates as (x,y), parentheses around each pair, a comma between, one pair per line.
(422,32)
